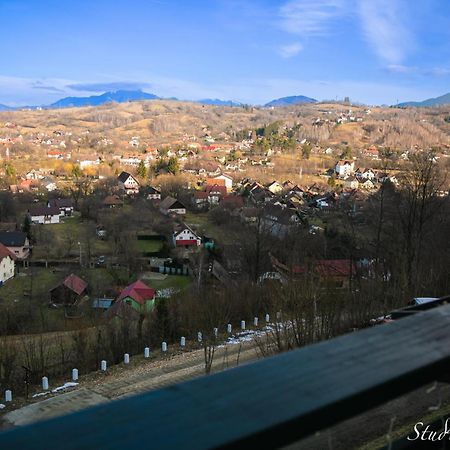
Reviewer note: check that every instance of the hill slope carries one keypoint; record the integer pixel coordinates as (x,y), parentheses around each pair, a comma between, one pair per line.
(292,100)
(442,100)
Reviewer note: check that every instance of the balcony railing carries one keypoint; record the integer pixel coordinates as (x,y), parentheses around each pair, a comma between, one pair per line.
(267,404)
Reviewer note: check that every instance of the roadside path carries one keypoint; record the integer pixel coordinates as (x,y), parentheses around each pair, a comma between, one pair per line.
(139,377)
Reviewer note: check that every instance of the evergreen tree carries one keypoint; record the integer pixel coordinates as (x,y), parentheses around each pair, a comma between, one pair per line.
(141,170)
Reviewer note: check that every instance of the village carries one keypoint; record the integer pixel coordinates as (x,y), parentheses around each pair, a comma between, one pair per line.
(119,245)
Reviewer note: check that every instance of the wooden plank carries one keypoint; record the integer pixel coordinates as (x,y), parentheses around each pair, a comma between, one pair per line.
(267,404)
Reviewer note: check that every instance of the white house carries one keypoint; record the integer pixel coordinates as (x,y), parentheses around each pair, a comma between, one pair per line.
(153,194)
(365,174)
(85,163)
(65,206)
(128,183)
(7,264)
(226,179)
(16,242)
(44,214)
(344,168)
(186,237)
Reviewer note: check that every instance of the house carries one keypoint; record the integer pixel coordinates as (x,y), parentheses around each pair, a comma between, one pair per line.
(226,179)
(249,214)
(171,205)
(86,163)
(112,201)
(277,220)
(335,273)
(200,199)
(351,183)
(128,183)
(215,193)
(33,175)
(344,168)
(364,174)
(274,187)
(44,214)
(65,206)
(153,194)
(7,264)
(186,237)
(232,201)
(16,242)
(48,184)
(372,152)
(69,292)
(137,297)
(367,184)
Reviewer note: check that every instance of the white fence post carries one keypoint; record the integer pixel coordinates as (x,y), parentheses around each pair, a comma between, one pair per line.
(126,358)
(199,336)
(146,352)
(103,365)
(255,321)
(183,341)
(164,346)
(45,383)
(242,324)
(267,318)
(8,396)
(229,328)
(74,374)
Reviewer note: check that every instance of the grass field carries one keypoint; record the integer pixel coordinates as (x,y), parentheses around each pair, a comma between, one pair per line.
(60,240)
(178,282)
(149,245)
(201,224)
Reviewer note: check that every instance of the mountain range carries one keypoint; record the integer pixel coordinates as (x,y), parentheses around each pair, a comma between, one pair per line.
(442,100)
(96,100)
(217,102)
(122,96)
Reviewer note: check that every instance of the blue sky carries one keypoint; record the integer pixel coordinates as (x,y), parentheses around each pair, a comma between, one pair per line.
(374,51)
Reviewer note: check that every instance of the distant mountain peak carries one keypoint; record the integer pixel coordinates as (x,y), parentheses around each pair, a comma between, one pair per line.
(442,100)
(119,96)
(218,102)
(291,100)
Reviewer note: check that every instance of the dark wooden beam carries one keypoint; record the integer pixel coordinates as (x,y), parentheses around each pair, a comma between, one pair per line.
(266,404)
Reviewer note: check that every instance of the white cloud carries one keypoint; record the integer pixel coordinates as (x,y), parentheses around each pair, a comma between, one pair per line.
(310,17)
(400,68)
(290,50)
(384,28)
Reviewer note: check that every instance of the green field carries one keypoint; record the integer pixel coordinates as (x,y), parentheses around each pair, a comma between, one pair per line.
(60,240)
(149,245)
(177,282)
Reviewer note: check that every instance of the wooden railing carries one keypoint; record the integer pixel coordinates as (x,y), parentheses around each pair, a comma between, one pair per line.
(266,404)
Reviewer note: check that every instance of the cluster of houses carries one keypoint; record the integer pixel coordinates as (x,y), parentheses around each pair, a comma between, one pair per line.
(134,300)
(360,177)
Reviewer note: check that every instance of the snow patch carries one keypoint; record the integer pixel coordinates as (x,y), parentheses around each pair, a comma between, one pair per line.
(65,386)
(2,406)
(40,394)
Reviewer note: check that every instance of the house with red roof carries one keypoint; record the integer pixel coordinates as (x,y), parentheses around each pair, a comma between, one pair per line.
(7,264)
(186,237)
(69,292)
(138,296)
(335,273)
